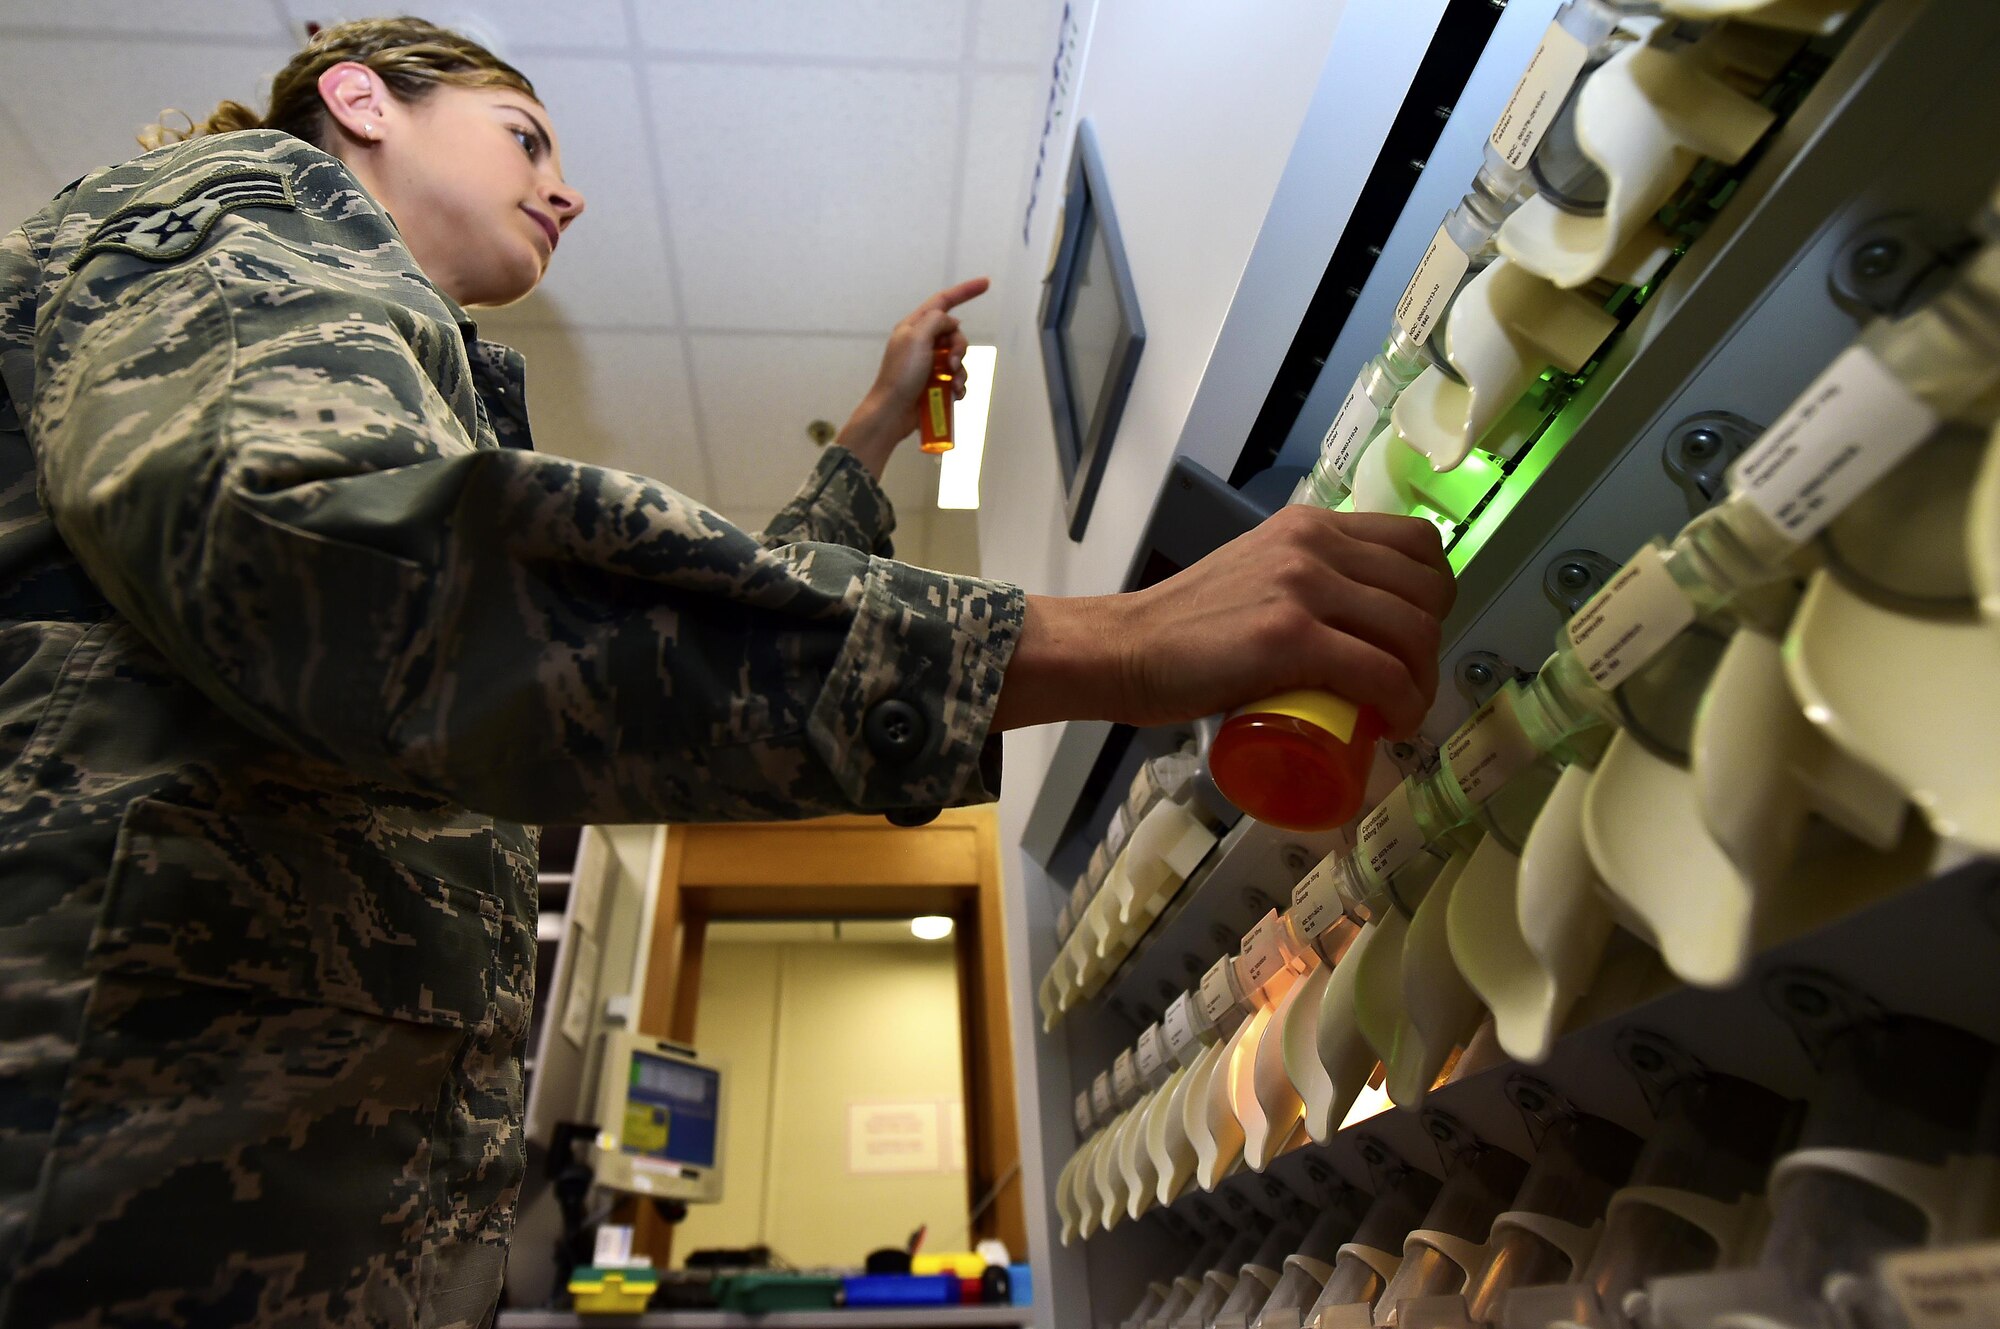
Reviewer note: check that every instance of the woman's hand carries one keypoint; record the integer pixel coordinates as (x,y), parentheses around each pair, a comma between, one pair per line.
(888,414)
(1346,602)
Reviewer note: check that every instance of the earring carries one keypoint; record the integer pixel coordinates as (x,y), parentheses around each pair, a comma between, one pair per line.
(368,130)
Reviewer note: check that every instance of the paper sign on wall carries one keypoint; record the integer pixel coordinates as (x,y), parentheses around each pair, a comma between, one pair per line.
(893,1137)
(951,1125)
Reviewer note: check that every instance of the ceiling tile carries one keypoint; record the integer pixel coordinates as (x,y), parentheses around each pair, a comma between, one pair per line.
(931,30)
(612,399)
(82,102)
(813,199)
(757,395)
(510,28)
(611,269)
(1008,31)
(1003,132)
(234,18)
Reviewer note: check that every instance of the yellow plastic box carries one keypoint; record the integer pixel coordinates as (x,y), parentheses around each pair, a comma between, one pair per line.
(612,1291)
(959,1264)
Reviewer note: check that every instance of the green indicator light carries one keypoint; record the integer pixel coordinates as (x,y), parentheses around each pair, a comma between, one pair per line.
(1527,470)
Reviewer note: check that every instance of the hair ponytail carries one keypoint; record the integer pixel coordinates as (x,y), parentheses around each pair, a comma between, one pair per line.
(227,118)
(413,57)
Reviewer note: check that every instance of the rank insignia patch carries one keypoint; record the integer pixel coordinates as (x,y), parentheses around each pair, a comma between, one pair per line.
(166,231)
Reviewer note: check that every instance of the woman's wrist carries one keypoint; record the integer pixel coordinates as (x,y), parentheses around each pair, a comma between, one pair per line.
(1070,663)
(871,434)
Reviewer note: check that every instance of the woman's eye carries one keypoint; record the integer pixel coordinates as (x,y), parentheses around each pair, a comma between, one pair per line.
(528,141)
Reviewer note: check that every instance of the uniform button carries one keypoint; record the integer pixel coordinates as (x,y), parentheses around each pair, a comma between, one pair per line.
(895,732)
(912,816)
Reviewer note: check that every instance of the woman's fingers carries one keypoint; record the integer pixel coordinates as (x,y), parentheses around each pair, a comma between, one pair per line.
(1429,588)
(1368,675)
(1392,624)
(1411,536)
(952,296)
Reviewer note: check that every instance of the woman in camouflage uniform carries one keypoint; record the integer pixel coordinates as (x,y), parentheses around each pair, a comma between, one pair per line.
(298,635)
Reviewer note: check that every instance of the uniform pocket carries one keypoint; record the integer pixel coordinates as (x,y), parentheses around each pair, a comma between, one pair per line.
(256,904)
(270,1098)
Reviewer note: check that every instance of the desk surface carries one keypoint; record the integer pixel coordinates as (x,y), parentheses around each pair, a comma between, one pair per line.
(872,1317)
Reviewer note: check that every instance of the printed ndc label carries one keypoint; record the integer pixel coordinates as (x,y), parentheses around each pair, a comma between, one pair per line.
(1550,74)
(1388,838)
(1316,899)
(1352,427)
(1217,996)
(1630,621)
(1179,1026)
(1489,749)
(1124,1076)
(1152,1052)
(1437,276)
(1101,1099)
(1844,432)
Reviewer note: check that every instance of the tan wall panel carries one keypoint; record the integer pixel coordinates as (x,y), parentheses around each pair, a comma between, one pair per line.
(854,1022)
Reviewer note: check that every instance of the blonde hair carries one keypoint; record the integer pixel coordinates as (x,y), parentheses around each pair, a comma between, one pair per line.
(413,57)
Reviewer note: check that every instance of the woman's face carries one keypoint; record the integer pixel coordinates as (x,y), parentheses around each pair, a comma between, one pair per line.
(473,178)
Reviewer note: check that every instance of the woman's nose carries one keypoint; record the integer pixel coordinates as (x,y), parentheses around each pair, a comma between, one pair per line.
(566,200)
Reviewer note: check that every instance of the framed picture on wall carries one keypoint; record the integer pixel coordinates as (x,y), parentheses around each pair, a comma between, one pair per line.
(1090,330)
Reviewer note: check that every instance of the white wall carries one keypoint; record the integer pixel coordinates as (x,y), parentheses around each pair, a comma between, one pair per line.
(1235,139)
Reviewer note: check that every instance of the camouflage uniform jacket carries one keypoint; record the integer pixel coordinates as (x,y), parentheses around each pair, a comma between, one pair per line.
(289,615)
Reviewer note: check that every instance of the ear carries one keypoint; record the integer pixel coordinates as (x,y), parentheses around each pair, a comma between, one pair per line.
(357,101)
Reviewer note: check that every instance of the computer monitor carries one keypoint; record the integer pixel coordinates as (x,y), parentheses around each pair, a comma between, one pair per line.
(659,1120)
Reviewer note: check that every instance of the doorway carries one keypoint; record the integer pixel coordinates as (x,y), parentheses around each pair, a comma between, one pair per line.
(853,869)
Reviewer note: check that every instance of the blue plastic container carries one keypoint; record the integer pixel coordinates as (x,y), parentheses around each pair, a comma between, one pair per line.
(1021,1284)
(902,1290)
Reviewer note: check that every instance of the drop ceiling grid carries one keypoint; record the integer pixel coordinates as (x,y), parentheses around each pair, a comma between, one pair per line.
(727,285)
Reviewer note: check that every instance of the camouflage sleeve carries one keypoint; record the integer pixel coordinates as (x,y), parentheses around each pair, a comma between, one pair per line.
(840,503)
(248,456)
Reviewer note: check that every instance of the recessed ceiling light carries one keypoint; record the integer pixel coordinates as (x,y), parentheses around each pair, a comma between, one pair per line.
(931,927)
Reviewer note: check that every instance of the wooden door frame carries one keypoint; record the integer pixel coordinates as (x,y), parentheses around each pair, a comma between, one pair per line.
(856,867)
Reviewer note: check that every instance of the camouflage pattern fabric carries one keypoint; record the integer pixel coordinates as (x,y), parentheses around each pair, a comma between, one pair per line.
(295,631)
